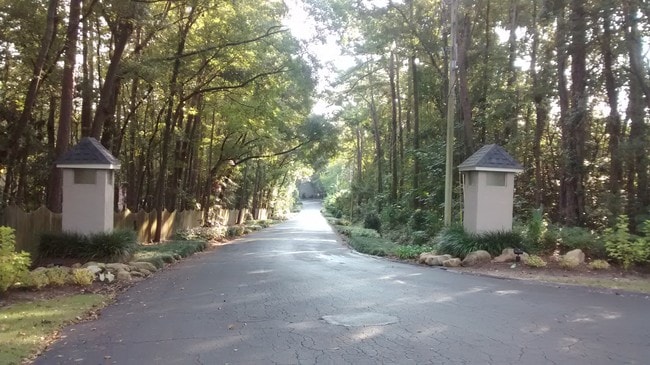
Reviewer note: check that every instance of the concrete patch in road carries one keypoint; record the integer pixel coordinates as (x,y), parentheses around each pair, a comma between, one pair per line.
(360,319)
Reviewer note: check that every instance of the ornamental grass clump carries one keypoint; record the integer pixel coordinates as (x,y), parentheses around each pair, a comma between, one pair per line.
(598,265)
(57,276)
(535,261)
(82,277)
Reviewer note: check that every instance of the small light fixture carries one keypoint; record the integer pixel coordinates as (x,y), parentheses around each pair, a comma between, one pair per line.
(518,251)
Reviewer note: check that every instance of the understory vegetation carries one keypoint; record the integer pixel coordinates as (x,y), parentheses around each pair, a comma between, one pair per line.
(537,238)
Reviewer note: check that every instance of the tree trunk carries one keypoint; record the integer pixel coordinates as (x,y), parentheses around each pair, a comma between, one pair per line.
(638,197)
(378,152)
(416,132)
(613,119)
(394,160)
(464,42)
(37,76)
(55,184)
(574,124)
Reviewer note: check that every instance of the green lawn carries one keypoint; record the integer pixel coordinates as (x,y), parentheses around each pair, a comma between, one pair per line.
(25,327)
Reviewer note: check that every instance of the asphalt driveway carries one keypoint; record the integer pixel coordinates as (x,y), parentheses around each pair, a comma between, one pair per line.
(294,294)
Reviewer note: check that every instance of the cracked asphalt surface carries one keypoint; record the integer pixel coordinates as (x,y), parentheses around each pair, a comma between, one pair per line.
(294,294)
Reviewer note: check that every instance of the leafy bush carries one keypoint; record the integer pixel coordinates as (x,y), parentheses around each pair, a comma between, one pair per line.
(234,231)
(13,265)
(624,247)
(550,239)
(394,216)
(571,238)
(351,231)
(457,242)
(406,252)
(372,221)
(535,230)
(117,245)
(372,245)
(35,279)
(419,238)
(215,233)
(82,276)
(598,265)
(535,261)
(57,276)
(418,220)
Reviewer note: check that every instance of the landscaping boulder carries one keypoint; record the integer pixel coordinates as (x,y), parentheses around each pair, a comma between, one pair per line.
(423,257)
(143,265)
(436,260)
(123,275)
(94,269)
(116,266)
(508,255)
(455,262)
(476,257)
(575,256)
(92,263)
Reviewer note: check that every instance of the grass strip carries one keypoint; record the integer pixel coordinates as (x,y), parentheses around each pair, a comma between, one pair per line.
(25,328)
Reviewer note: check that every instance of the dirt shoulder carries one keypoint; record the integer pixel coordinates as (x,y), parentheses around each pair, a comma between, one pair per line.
(612,279)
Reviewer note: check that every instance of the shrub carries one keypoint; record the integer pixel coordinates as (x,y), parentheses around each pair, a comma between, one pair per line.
(234,231)
(65,244)
(201,233)
(571,238)
(455,241)
(371,245)
(535,261)
(535,230)
(419,238)
(13,265)
(355,231)
(598,265)
(372,221)
(418,220)
(81,276)
(550,239)
(569,262)
(57,276)
(35,279)
(494,242)
(406,252)
(623,247)
(117,245)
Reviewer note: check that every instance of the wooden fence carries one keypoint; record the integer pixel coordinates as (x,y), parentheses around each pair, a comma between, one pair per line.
(30,225)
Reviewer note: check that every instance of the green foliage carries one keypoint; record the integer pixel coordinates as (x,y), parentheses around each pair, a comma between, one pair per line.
(418,220)
(419,238)
(355,231)
(117,245)
(598,265)
(57,276)
(623,246)
(408,252)
(372,245)
(167,252)
(394,216)
(457,242)
(372,221)
(235,231)
(13,265)
(35,279)
(535,261)
(82,277)
(571,238)
(201,233)
(535,230)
